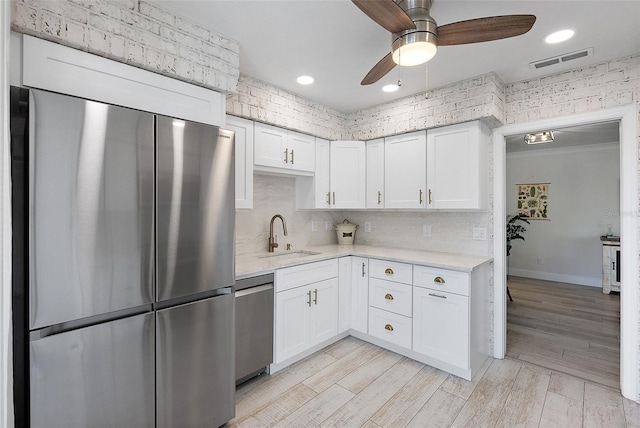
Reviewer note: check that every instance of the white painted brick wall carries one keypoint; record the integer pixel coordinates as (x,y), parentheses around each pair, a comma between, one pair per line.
(135,32)
(263,102)
(477,98)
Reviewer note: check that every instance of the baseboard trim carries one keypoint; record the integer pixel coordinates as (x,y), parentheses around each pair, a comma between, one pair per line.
(557,277)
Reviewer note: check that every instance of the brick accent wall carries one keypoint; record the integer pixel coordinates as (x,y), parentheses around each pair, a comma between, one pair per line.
(481,97)
(137,33)
(263,102)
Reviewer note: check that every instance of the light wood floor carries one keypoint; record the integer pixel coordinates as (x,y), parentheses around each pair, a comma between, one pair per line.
(569,328)
(356,384)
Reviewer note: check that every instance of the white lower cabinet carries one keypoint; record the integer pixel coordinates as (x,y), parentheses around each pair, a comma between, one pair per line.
(436,316)
(441,326)
(359,294)
(306,307)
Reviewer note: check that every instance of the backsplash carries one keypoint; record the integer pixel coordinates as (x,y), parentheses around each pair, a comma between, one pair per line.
(450,231)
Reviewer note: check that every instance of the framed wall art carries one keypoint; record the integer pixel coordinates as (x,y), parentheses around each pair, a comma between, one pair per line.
(533,200)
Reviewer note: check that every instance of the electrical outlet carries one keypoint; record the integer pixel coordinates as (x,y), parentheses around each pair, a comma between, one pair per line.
(480,233)
(426,230)
(540,260)
(328,225)
(314,226)
(367,226)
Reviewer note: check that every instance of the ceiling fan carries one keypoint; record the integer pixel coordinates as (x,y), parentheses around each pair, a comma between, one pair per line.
(416,36)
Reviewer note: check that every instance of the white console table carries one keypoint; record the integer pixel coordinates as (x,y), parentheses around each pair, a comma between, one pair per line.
(610,264)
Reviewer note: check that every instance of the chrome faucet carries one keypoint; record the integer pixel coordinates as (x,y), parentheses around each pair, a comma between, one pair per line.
(273,243)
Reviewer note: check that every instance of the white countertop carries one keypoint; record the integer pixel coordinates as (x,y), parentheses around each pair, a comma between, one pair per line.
(258,264)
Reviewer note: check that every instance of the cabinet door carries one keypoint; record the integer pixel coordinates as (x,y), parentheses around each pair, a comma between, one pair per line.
(405,177)
(322,176)
(243,130)
(375,174)
(324,297)
(302,152)
(348,174)
(359,294)
(455,167)
(441,326)
(344,294)
(269,146)
(293,315)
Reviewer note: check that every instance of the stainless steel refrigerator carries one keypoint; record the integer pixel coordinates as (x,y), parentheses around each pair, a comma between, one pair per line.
(123,258)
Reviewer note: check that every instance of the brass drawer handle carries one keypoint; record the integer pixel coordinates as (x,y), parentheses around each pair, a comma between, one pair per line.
(388,296)
(438,295)
(439,280)
(388,327)
(388,271)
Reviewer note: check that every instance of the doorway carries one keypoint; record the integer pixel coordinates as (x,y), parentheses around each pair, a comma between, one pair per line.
(568,188)
(629,310)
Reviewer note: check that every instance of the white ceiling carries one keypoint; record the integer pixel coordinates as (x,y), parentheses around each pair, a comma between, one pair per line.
(336,43)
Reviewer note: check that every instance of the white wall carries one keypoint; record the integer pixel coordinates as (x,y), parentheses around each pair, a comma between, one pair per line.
(583,199)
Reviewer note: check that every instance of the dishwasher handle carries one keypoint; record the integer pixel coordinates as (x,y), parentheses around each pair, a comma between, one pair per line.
(254,290)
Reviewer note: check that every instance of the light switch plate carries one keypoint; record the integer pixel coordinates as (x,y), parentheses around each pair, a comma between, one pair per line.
(426,230)
(367,226)
(480,233)
(327,225)
(314,226)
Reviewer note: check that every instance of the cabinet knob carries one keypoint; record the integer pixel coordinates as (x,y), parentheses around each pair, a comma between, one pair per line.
(388,327)
(388,271)
(439,280)
(388,296)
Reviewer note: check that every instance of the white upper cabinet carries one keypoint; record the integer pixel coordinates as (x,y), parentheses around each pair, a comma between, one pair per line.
(405,175)
(347,172)
(243,130)
(279,150)
(457,166)
(375,173)
(339,178)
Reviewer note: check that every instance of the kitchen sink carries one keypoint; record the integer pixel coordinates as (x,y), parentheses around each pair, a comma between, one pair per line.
(289,255)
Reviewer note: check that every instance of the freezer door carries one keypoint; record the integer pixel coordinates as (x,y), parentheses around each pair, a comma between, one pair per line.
(195,363)
(196,208)
(91,208)
(98,376)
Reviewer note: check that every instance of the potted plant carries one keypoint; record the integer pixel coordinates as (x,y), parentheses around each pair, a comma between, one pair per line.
(515,230)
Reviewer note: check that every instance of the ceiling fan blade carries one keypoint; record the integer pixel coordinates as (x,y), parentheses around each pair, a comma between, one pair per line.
(484,29)
(386,13)
(379,70)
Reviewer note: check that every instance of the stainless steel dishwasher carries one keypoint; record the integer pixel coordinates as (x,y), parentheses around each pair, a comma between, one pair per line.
(254,326)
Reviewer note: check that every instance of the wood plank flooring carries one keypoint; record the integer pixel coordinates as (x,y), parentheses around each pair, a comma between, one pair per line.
(355,384)
(569,328)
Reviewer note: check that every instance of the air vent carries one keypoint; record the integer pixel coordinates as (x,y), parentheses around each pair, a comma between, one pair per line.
(561,58)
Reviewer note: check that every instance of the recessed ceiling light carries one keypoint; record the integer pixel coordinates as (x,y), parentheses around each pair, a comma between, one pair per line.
(305,80)
(390,88)
(559,36)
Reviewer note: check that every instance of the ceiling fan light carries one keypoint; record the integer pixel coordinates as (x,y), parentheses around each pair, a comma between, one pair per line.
(414,53)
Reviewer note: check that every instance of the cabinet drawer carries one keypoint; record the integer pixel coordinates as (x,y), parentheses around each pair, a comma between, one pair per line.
(390,296)
(391,327)
(288,278)
(391,271)
(441,279)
